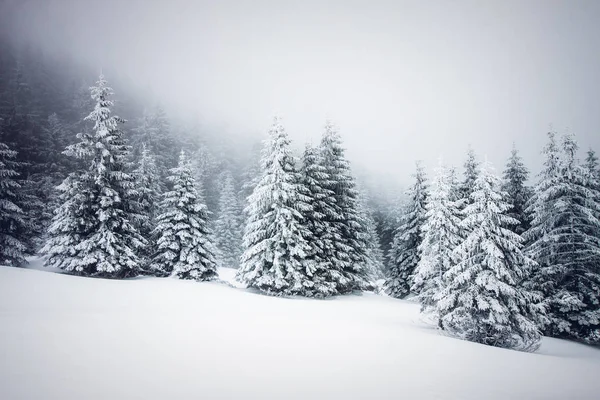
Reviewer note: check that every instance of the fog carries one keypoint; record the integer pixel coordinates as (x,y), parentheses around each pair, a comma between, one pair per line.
(403,80)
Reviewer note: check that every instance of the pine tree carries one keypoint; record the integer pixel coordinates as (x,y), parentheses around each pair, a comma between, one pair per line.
(14,224)
(228,227)
(404,254)
(183,239)
(515,176)
(481,300)
(591,168)
(275,245)
(441,233)
(470,176)
(564,241)
(92,231)
(326,276)
(350,253)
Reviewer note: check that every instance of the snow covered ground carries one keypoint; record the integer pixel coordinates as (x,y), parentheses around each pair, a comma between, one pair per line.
(65,337)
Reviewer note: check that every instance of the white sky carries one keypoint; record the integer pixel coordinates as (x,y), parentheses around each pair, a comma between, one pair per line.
(404,80)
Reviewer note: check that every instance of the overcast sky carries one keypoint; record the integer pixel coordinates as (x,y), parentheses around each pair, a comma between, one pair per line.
(404,80)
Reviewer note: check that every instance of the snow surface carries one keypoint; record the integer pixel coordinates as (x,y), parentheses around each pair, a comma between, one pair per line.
(66,337)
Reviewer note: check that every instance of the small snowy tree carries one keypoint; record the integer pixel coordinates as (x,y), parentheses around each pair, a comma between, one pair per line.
(228,226)
(481,300)
(182,236)
(92,231)
(441,233)
(404,253)
(564,241)
(13,220)
(515,177)
(275,245)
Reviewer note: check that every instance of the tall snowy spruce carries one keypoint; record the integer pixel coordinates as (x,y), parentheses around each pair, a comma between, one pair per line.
(326,276)
(482,301)
(228,226)
(441,233)
(564,240)
(275,237)
(92,232)
(514,179)
(14,224)
(349,252)
(404,254)
(182,236)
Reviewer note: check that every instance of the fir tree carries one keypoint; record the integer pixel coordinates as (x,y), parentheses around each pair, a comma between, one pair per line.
(275,245)
(183,239)
(564,241)
(404,254)
(322,244)
(92,231)
(14,225)
(441,233)
(349,255)
(228,226)
(515,176)
(481,300)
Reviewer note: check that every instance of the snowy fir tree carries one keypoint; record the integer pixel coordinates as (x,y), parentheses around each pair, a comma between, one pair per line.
(514,185)
(481,300)
(14,224)
(326,275)
(441,233)
(592,169)
(92,232)
(228,226)
(471,167)
(148,191)
(275,237)
(349,253)
(182,236)
(564,240)
(404,253)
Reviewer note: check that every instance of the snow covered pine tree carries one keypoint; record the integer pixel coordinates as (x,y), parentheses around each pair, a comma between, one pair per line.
(481,300)
(183,239)
(404,253)
(348,254)
(564,239)
(275,237)
(441,233)
(91,233)
(514,178)
(13,219)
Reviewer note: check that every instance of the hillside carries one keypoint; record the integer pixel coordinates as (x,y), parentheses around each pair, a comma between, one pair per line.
(66,337)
